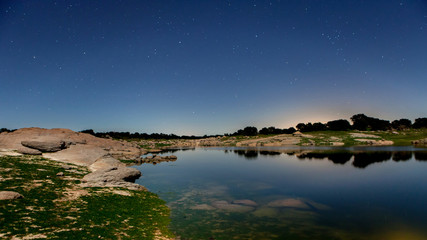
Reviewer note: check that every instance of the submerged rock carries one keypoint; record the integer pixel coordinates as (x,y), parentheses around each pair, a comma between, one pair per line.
(289,202)
(224,205)
(266,212)
(202,207)
(245,202)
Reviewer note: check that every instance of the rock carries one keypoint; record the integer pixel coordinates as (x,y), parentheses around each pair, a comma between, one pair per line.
(337,143)
(83,155)
(112,175)
(117,149)
(105,162)
(224,205)
(60,174)
(154,150)
(66,167)
(9,195)
(173,157)
(29,151)
(289,202)
(45,146)
(420,142)
(245,202)
(202,207)
(266,212)
(297,133)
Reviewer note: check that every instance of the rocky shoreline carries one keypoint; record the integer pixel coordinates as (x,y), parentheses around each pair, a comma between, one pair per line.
(100,156)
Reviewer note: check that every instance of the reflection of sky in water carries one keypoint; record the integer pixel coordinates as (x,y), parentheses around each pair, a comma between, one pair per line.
(362,200)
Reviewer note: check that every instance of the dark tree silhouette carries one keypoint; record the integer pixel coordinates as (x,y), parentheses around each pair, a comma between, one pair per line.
(401,124)
(420,123)
(247,131)
(363,123)
(319,127)
(338,125)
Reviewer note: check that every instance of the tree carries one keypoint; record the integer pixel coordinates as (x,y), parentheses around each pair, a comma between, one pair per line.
(363,123)
(338,125)
(360,122)
(247,131)
(289,130)
(89,131)
(420,123)
(401,124)
(301,127)
(318,127)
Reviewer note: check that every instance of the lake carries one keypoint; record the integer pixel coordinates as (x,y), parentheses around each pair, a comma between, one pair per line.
(294,193)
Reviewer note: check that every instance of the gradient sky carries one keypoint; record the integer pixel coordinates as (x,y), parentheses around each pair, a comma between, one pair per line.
(208,67)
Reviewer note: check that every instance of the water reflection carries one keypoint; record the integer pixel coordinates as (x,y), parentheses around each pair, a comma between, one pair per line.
(420,156)
(361,159)
(284,193)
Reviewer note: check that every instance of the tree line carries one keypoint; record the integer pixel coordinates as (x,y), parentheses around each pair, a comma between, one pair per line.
(137,135)
(360,122)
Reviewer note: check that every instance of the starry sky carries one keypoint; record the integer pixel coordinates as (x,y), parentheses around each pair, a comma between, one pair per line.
(209,67)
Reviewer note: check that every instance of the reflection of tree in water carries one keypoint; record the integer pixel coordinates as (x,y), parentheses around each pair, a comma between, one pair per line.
(402,156)
(248,154)
(271,153)
(420,156)
(340,157)
(363,159)
(313,155)
(337,157)
(172,150)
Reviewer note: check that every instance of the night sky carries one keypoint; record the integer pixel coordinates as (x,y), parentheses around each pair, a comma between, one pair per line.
(208,67)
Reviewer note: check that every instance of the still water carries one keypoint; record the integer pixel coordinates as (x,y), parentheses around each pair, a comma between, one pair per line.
(294,193)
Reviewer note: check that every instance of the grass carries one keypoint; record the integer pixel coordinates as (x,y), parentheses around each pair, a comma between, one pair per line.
(404,137)
(48,210)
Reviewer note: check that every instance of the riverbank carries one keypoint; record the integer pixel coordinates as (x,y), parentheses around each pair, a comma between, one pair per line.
(75,184)
(320,138)
(56,183)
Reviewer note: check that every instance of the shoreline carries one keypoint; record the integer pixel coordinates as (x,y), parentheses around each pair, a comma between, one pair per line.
(105,162)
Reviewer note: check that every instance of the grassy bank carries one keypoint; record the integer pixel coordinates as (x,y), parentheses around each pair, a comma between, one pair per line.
(56,207)
(399,138)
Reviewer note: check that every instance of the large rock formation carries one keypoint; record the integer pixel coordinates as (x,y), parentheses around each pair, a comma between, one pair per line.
(61,141)
(98,154)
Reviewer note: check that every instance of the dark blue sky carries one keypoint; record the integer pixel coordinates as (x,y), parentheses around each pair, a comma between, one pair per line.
(204,67)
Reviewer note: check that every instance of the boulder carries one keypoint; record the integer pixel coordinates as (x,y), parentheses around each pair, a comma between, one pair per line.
(105,162)
(113,174)
(29,151)
(9,195)
(45,146)
(83,155)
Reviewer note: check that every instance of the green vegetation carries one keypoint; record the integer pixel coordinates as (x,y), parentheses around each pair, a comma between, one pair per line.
(399,138)
(160,145)
(404,137)
(58,208)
